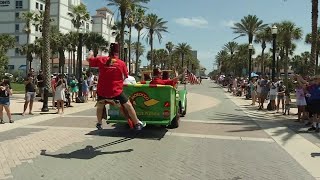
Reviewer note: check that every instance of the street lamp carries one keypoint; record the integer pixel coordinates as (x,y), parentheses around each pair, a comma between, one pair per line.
(250,59)
(274,32)
(79,58)
(277,66)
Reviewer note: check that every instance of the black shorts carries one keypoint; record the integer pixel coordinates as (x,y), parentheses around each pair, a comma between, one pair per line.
(122,98)
(91,88)
(314,107)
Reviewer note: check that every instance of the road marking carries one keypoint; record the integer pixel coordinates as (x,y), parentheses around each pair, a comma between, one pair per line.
(212,121)
(297,146)
(219,137)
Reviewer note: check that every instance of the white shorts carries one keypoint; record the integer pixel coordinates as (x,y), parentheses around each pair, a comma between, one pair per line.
(301,102)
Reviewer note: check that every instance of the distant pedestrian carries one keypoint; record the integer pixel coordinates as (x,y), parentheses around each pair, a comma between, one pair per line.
(287,100)
(74,88)
(30,93)
(5,93)
(94,88)
(59,95)
(85,89)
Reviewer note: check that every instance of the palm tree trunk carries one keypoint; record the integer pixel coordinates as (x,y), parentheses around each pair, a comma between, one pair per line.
(137,53)
(317,60)
(62,60)
(151,45)
(314,35)
(262,62)
(74,63)
(28,39)
(121,46)
(69,68)
(182,60)
(286,68)
(129,48)
(46,54)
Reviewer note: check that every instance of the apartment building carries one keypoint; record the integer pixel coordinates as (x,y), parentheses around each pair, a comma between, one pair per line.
(11,23)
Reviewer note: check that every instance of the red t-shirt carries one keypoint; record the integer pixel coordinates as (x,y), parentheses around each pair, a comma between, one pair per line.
(163,82)
(110,77)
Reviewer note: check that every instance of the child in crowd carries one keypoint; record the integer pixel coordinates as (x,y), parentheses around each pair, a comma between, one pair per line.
(287,100)
(85,89)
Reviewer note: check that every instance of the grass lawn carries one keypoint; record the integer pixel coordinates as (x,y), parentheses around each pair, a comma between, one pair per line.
(17,88)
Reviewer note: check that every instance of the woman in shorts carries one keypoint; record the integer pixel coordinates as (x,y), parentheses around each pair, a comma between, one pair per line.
(300,100)
(5,93)
(273,95)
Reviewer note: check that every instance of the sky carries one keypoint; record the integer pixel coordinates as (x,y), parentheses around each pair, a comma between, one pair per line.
(206,24)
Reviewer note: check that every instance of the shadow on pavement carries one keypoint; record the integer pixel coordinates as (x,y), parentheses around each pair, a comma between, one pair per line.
(88,152)
(314,154)
(148,133)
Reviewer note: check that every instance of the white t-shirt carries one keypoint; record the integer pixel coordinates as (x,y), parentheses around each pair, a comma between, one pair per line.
(273,89)
(130,80)
(258,86)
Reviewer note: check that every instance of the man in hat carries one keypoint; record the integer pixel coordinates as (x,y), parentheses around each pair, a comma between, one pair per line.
(112,73)
(157,78)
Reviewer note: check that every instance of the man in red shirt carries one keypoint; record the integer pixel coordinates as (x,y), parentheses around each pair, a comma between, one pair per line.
(112,73)
(157,78)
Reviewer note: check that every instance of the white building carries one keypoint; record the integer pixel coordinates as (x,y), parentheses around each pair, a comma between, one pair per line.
(10,23)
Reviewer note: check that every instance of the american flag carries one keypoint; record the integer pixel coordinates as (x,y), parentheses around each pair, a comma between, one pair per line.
(191,78)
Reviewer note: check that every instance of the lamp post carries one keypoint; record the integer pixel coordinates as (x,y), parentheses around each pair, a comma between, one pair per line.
(278,70)
(250,59)
(274,32)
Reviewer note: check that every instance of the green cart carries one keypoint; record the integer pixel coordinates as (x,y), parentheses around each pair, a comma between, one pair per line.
(154,104)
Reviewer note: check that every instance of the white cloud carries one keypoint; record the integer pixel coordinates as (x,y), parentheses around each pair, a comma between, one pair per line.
(229,23)
(198,22)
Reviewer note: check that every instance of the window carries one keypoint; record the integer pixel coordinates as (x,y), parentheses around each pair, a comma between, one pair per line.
(37,38)
(37,28)
(17,27)
(41,7)
(17,15)
(17,52)
(11,67)
(19,4)
(87,25)
(37,5)
(17,39)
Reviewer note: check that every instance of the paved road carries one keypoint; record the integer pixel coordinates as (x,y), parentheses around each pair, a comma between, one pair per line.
(217,140)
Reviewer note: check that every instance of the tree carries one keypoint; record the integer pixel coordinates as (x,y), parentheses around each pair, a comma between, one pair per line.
(79,15)
(183,49)
(154,25)
(139,22)
(6,42)
(46,53)
(116,31)
(263,37)
(314,34)
(249,26)
(222,61)
(72,38)
(95,41)
(288,32)
(28,17)
(308,40)
(124,6)
(139,49)
(169,47)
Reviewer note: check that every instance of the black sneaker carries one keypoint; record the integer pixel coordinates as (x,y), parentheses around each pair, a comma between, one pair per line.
(140,126)
(312,128)
(99,126)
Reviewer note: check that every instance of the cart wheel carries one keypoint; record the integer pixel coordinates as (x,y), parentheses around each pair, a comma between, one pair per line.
(175,122)
(185,109)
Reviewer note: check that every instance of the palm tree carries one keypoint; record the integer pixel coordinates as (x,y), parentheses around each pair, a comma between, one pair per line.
(116,31)
(79,15)
(72,38)
(183,49)
(124,6)
(288,32)
(169,47)
(263,37)
(314,34)
(6,42)
(222,61)
(46,53)
(137,46)
(308,40)
(139,22)
(249,26)
(95,41)
(154,26)
(28,17)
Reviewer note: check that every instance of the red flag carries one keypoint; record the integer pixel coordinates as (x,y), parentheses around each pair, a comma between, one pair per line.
(191,77)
